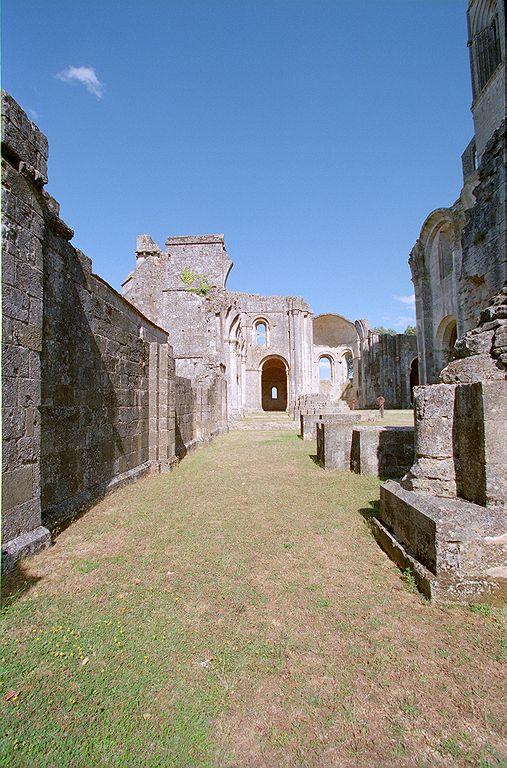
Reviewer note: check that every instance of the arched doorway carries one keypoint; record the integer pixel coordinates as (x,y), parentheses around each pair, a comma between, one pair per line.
(414,377)
(447,334)
(274,384)
(325,374)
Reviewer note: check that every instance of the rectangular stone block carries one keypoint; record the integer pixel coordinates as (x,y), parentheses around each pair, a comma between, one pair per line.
(480,426)
(21,518)
(382,451)
(334,443)
(455,549)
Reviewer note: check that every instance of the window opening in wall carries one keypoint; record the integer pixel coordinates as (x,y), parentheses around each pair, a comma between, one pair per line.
(487,55)
(325,369)
(350,368)
(414,377)
(274,393)
(261,335)
(453,337)
(444,255)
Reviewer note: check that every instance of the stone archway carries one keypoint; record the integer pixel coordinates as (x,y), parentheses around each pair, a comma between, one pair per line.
(414,377)
(446,336)
(274,384)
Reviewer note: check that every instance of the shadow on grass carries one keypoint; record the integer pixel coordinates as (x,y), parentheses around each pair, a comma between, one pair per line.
(315,459)
(16,584)
(372,511)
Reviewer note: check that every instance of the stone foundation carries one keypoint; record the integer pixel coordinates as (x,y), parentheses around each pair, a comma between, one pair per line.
(455,549)
(308,421)
(431,521)
(24,545)
(382,451)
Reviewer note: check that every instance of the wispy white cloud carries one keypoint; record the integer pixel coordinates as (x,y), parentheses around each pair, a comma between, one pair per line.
(33,114)
(410,300)
(399,323)
(85,75)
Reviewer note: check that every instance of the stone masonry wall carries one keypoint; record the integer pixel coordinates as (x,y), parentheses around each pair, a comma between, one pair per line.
(200,412)
(385,369)
(88,381)
(24,156)
(95,382)
(483,239)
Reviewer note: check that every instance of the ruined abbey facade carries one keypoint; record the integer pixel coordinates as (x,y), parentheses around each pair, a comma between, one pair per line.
(270,350)
(101,388)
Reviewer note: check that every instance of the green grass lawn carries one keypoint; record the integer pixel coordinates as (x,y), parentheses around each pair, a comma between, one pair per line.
(237,613)
(393,418)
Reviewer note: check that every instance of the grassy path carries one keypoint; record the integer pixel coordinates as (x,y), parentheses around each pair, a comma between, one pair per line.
(237,613)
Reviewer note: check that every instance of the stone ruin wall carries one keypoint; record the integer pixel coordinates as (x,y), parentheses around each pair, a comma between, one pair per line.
(483,267)
(89,392)
(384,369)
(191,321)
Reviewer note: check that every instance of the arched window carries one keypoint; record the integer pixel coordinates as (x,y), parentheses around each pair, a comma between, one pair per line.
(485,43)
(350,367)
(261,334)
(274,393)
(325,369)
(444,254)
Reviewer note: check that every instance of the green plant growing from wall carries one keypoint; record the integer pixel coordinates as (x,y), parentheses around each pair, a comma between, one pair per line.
(187,276)
(198,284)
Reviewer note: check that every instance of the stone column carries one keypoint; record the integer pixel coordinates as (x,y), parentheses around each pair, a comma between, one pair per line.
(433,471)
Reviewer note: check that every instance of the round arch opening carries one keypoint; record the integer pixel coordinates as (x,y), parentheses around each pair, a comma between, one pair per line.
(414,377)
(447,334)
(274,384)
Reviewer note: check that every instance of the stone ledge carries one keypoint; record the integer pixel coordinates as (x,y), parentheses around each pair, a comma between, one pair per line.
(492,588)
(24,546)
(459,548)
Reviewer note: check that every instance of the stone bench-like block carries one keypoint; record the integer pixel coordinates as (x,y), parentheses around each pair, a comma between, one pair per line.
(455,549)
(308,421)
(382,451)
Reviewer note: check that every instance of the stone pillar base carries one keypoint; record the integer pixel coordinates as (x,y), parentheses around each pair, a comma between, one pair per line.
(25,545)
(456,550)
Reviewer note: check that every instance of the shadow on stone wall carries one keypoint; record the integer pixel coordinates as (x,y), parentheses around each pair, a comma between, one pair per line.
(94,398)
(395,451)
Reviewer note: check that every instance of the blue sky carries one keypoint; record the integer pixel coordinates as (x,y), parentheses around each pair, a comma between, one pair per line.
(315,134)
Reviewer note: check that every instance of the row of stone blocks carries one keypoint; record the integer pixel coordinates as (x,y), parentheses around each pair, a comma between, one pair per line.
(445,520)
(367,450)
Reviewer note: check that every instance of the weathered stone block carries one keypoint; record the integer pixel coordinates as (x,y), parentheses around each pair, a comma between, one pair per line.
(334,442)
(21,518)
(24,545)
(17,487)
(382,451)
(456,549)
(480,423)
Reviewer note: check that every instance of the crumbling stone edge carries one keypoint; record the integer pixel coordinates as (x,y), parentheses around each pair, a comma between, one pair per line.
(23,546)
